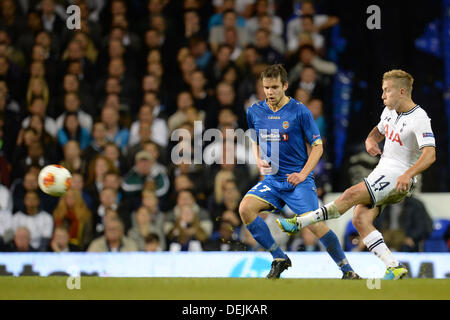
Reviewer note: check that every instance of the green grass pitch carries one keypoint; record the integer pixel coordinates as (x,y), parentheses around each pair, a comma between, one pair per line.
(102,288)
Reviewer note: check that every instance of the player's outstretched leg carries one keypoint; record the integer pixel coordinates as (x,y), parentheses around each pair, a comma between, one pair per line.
(354,195)
(330,241)
(249,209)
(373,239)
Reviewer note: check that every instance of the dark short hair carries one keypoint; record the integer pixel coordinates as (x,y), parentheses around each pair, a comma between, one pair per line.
(275,71)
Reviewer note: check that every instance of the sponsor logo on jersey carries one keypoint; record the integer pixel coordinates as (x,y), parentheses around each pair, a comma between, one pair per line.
(273,117)
(269,136)
(284,136)
(428,135)
(391,136)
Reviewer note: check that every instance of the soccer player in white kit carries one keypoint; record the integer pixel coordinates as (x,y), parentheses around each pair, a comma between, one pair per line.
(409,149)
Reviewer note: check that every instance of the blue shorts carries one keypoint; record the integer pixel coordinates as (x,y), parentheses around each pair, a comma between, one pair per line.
(300,199)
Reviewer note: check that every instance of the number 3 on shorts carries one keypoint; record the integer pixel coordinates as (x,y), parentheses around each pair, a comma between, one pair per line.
(381,184)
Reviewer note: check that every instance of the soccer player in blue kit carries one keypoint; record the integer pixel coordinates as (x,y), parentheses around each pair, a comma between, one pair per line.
(281,128)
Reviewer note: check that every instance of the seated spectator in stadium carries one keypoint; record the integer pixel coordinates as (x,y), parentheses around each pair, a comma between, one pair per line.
(184,102)
(217,33)
(47,140)
(114,132)
(39,107)
(307,56)
(152,243)
(73,214)
(200,50)
(143,228)
(187,198)
(225,200)
(158,127)
(305,241)
(316,107)
(39,222)
(77,184)
(34,157)
(72,160)
(60,241)
(192,25)
(220,6)
(226,239)
(108,201)
(217,66)
(132,149)
(201,97)
(72,104)
(72,130)
(113,240)
(21,186)
(25,40)
(295,26)
(21,242)
(145,169)
(71,84)
(97,168)
(302,95)
(112,152)
(187,233)
(311,83)
(97,143)
(308,28)
(74,53)
(38,88)
(262,10)
(405,225)
(51,21)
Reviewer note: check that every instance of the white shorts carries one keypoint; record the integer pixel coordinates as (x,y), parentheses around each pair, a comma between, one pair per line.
(381,184)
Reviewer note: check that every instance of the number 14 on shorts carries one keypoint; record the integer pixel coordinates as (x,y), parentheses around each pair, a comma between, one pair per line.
(381,184)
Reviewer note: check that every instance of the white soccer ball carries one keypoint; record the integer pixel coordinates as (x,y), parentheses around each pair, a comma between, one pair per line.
(54,180)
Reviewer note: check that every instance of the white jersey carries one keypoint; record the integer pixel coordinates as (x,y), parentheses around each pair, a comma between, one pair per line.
(405,135)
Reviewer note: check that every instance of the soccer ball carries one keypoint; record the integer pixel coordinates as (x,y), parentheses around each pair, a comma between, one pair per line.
(54,180)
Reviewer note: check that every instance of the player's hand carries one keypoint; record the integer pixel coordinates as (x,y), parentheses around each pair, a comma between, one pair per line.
(296,178)
(264,167)
(403,183)
(372,147)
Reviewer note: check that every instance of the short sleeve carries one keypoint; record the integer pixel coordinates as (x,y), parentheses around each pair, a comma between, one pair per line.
(381,124)
(310,128)
(424,133)
(251,125)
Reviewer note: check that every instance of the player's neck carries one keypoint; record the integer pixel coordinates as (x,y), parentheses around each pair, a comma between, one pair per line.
(407,106)
(280,105)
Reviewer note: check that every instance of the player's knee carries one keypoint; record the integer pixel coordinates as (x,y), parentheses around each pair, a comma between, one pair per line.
(245,209)
(359,221)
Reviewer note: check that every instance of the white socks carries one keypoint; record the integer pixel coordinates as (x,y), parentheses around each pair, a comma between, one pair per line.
(326,212)
(375,243)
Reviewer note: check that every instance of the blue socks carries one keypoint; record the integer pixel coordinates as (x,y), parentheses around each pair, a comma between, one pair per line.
(260,231)
(331,243)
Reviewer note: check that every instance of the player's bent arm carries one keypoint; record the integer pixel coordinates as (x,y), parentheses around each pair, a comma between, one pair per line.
(313,158)
(372,141)
(427,158)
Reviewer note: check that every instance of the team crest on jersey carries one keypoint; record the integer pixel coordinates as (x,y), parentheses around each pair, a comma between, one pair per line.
(285,124)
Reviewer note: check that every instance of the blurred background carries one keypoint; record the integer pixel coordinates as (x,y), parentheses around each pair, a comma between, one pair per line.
(103,100)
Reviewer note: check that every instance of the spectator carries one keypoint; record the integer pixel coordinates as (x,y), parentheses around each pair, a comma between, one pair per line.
(406,225)
(113,240)
(72,130)
(145,171)
(114,132)
(262,9)
(143,228)
(60,241)
(152,243)
(226,240)
(187,233)
(310,81)
(22,241)
(307,241)
(316,108)
(97,143)
(112,152)
(77,184)
(187,198)
(73,214)
(39,107)
(72,104)
(38,222)
(159,130)
(72,159)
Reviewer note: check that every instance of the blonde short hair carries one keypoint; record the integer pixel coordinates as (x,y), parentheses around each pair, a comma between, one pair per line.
(403,79)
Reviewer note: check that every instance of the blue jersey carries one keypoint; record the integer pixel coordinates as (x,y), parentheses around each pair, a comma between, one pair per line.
(282,135)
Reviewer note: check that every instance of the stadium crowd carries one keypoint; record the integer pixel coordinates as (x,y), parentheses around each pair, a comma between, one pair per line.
(104,100)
